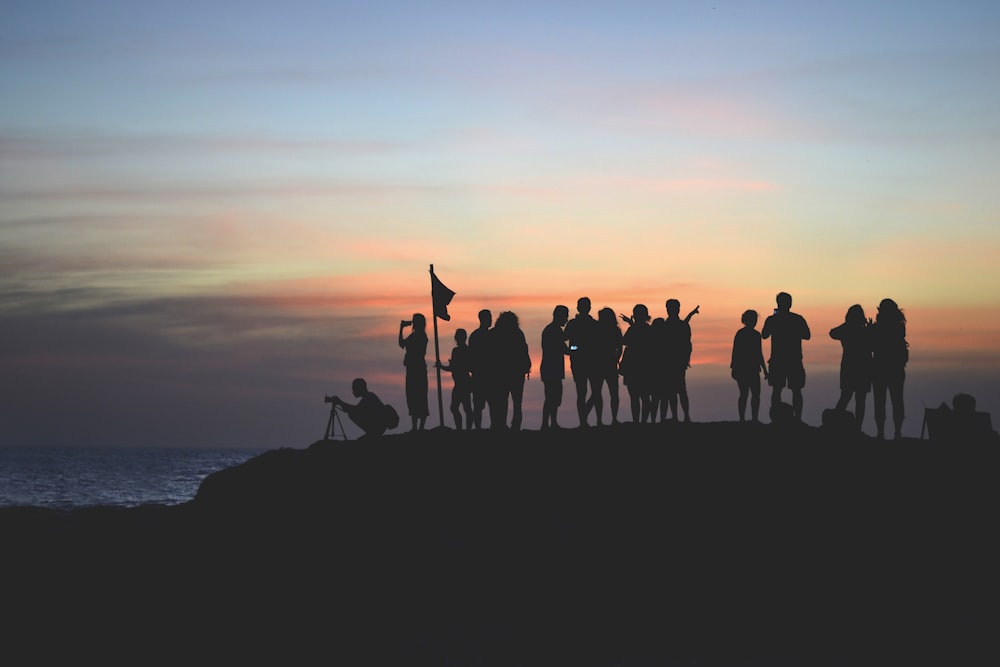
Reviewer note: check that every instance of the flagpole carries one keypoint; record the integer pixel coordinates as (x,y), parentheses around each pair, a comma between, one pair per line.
(437,352)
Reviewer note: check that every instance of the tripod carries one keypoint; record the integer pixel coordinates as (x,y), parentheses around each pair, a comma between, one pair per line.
(333,423)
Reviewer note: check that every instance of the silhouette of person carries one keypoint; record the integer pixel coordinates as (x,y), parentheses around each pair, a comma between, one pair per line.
(608,354)
(459,367)
(553,366)
(855,361)
(581,332)
(513,363)
(481,363)
(636,365)
(368,413)
(786,330)
(676,344)
(746,364)
(414,360)
(890,352)
(659,402)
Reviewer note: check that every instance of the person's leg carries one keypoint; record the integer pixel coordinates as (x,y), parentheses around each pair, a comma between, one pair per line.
(797,403)
(498,404)
(613,396)
(596,399)
(755,398)
(896,395)
(517,398)
(580,380)
(683,396)
(879,392)
(741,400)
(860,398)
(845,398)
(456,414)
(466,403)
(547,417)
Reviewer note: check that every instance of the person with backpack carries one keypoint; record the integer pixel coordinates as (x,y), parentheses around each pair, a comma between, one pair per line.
(370,414)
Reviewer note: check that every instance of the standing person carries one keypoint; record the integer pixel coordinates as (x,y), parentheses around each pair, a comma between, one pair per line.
(746,364)
(659,400)
(786,330)
(890,352)
(609,353)
(553,367)
(461,392)
(855,361)
(513,365)
(581,332)
(677,356)
(481,362)
(636,367)
(415,362)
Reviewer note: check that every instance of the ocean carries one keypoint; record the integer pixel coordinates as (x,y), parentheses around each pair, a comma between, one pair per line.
(73,477)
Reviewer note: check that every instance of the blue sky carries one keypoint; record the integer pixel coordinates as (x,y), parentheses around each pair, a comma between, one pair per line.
(227,207)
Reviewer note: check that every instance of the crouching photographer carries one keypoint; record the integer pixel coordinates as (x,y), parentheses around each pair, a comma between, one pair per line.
(370,414)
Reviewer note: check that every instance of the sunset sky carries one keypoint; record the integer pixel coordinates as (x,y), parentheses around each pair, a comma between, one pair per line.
(212,214)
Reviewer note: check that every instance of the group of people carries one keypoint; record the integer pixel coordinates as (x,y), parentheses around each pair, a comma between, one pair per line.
(874,357)
(489,366)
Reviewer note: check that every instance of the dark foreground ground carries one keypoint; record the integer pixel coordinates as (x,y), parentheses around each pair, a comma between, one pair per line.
(708,544)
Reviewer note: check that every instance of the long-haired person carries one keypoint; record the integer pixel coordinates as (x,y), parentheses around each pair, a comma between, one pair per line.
(855,361)
(890,353)
(513,365)
(636,365)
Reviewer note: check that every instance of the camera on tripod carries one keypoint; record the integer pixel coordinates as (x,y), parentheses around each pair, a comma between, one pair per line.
(333,423)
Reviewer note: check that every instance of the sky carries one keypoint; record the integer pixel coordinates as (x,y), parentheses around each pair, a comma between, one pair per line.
(214,214)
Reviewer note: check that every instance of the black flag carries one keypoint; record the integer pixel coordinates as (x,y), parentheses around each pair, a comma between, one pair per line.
(441,297)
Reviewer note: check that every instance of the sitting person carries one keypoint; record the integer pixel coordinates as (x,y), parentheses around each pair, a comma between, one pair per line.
(369,413)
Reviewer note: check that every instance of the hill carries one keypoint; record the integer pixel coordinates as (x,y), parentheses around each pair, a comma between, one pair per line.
(722,543)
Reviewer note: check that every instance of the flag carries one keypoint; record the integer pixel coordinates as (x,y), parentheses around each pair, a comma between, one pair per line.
(441,296)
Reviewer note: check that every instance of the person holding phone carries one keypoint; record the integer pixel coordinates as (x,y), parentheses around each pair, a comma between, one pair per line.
(582,333)
(415,362)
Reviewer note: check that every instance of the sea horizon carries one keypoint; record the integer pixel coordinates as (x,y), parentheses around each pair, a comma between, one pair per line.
(77,476)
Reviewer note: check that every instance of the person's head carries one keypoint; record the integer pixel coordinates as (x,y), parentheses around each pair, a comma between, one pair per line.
(855,315)
(507,320)
(888,311)
(485,318)
(749,318)
(583,305)
(359,387)
(640,313)
(461,335)
(783,301)
(607,316)
(673,307)
(419,322)
(560,314)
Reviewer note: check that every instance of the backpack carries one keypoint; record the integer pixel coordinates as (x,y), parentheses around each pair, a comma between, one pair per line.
(391,416)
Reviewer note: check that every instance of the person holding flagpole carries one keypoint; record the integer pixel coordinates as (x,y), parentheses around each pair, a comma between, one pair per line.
(415,362)
(441,296)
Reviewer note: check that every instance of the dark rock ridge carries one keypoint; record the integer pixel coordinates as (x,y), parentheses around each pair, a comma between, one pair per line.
(720,543)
